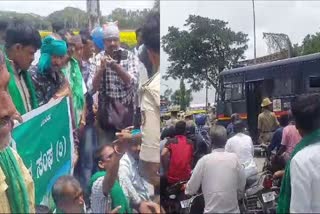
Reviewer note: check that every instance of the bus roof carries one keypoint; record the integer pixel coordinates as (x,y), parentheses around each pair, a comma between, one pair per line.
(272,64)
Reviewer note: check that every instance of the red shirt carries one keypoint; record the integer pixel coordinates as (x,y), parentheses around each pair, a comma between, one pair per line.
(181,156)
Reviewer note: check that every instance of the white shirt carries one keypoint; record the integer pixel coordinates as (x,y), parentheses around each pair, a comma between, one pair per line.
(135,187)
(221,177)
(305,180)
(242,145)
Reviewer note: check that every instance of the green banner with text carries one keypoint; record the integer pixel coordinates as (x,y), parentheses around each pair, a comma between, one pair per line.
(45,143)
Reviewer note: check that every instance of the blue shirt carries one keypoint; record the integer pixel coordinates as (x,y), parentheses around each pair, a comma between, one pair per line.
(276,140)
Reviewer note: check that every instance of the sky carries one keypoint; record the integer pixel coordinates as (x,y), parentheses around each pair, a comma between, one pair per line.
(294,18)
(42,7)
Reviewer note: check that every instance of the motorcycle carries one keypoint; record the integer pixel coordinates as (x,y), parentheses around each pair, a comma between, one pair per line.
(261,196)
(174,198)
(193,205)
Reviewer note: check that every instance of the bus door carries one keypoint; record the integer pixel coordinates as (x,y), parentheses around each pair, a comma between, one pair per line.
(253,98)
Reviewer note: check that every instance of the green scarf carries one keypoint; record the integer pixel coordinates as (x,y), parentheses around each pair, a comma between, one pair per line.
(76,87)
(285,192)
(117,196)
(50,47)
(14,90)
(17,191)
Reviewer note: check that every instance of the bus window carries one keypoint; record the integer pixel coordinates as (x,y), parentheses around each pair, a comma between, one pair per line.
(267,88)
(314,82)
(236,92)
(282,86)
(228,93)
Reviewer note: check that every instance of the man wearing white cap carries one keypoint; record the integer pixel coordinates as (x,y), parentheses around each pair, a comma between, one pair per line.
(267,122)
(115,79)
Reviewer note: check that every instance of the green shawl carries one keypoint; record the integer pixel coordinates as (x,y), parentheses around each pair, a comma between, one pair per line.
(14,90)
(17,191)
(117,195)
(75,79)
(285,192)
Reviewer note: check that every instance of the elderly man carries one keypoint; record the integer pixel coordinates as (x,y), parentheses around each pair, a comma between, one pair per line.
(21,43)
(220,176)
(16,184)
(267,122)
(115,78)
(73,74)
(47,77)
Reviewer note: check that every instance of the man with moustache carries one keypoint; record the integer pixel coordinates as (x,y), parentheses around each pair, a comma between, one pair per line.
(17,193)
(47,76)
(21,42)
(116,83)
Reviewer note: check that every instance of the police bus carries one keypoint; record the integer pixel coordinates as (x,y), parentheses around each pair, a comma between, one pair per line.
(242,89)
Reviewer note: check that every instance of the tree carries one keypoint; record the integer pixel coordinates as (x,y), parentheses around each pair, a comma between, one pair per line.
(74,18)
(311,44)
(182,97)
(128,19)
(202,52)
(156,5)
(278,42)
(166,95)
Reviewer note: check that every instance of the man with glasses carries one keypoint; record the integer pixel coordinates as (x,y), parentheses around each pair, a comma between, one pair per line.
(106,192)
(116,79)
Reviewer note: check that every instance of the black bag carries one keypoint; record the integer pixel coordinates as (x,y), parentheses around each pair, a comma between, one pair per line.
(112,113)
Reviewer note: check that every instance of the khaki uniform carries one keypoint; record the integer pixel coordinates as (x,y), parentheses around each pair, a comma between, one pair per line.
(171,122)
(267,123)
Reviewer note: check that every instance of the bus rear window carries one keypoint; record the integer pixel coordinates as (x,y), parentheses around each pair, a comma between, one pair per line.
(314,82)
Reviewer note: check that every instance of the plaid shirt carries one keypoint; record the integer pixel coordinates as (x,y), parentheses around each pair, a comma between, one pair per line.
(115,87)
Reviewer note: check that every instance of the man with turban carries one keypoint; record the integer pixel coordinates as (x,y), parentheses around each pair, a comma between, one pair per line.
(47,76)
(17,193)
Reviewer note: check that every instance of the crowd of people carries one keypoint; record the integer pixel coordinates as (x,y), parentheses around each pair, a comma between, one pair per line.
(115,110)
(226,165)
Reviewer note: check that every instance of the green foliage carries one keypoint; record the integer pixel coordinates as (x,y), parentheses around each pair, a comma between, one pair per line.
(128,19)
(202,52)
(73,18)
(311,44)
(182,97)
(39,22)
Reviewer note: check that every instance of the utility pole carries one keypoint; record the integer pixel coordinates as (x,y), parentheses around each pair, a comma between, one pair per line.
(93,10)
(254,33)
(207,92)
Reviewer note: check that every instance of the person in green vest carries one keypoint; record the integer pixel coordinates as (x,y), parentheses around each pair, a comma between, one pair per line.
(73,74)
(17,193)
(22,40)
(105,189)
